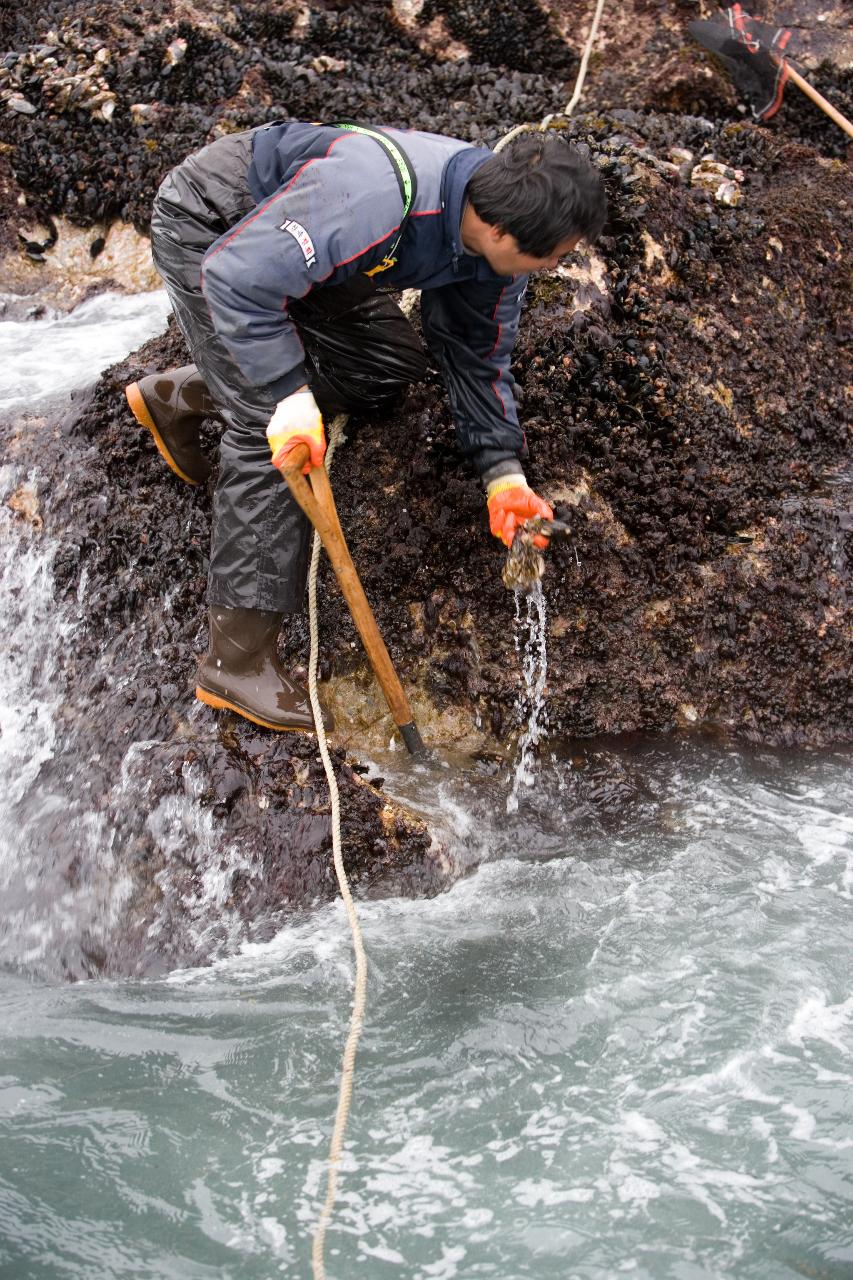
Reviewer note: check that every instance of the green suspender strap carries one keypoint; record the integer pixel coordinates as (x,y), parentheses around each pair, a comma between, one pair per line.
(406,180)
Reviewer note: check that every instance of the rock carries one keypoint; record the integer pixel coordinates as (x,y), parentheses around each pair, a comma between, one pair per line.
(175,53)
(728,193)
(325,63)
(25,504)
(721,180)
(22,106)
(68,269)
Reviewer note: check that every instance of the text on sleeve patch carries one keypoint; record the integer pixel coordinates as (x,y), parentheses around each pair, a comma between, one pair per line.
(302,238)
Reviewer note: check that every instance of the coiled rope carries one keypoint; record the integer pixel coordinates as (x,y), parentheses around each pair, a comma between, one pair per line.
(336,436)
(547,122)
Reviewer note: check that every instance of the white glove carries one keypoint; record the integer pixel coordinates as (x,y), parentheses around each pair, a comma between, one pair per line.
(297,420)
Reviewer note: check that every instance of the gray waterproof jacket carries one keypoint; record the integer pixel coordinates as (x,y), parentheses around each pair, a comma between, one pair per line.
(329,205)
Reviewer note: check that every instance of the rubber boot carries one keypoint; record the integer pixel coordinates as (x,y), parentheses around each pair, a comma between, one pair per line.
(241,672)
(172,405)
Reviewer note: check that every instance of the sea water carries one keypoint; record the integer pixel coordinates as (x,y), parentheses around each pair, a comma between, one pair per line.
(621,1044)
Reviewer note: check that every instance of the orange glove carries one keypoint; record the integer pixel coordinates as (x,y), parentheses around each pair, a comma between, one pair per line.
(297,420)
(510,502)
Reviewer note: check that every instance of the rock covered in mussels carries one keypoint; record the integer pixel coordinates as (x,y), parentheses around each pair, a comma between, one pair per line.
(110,98)
(683,392)
(685,402)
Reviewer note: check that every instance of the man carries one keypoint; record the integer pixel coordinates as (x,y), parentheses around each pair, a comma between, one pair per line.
(272,244)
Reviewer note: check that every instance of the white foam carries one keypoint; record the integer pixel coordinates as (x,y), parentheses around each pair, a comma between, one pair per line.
(829,838)
(445,1268)
(29,691)
(764,1130)
(61,353)
(532,1192)
(817,1020)
(647,1131)
(382,1252)
(31,695)
(804,1122)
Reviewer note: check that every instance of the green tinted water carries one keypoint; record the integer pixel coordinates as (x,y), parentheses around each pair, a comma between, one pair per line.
(622,1045)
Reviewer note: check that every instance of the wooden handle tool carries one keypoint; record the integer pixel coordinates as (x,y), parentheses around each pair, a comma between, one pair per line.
(819,100)
(318,503)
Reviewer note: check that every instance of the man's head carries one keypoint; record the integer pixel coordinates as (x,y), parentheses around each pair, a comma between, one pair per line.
(532,203)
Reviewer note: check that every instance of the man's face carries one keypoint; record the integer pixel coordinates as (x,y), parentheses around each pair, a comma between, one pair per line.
(503,255)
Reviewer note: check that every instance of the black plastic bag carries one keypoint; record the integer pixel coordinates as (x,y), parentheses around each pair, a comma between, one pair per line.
(753,52)
(360,350)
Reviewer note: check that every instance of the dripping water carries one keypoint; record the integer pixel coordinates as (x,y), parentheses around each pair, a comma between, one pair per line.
(531,646)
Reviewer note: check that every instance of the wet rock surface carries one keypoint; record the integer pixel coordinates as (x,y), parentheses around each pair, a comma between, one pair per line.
(61,266)
(214,830)
(686,403)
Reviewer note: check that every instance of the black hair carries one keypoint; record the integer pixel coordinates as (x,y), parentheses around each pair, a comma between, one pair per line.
(542,191)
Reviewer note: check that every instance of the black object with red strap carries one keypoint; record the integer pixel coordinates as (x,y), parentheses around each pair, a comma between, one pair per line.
(753,53)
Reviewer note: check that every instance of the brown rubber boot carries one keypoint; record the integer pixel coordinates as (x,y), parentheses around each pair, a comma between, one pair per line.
(172,405)
(241,672)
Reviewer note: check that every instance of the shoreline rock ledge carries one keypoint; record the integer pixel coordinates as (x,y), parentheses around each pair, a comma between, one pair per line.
(687,403)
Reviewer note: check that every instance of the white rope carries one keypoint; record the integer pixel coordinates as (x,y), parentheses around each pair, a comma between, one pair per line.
(336,435)
(336,429)
(578,90)
(593,32)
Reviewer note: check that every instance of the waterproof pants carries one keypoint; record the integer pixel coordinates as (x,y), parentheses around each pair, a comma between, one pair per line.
(359,352)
